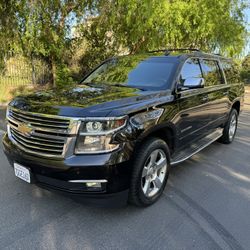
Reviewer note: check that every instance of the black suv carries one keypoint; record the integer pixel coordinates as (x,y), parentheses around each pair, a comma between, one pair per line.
(113,137)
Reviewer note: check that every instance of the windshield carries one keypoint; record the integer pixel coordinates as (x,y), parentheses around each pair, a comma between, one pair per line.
(135,71)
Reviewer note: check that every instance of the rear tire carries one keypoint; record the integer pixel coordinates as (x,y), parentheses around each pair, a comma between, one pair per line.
(150,172)
(230,128)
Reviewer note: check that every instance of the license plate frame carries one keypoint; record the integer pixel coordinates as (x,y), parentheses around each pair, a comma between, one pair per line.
(22,172)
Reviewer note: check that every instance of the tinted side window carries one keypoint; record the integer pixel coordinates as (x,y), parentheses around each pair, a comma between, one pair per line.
(230,72)
(211,72)
(191,68)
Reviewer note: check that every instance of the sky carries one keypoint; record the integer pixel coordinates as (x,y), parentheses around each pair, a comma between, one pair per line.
(247,13)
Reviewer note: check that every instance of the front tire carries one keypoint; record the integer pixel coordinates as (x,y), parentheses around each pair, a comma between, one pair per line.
(230,128)
(150,172)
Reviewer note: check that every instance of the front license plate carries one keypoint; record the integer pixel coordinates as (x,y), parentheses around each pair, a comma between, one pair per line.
(22,172)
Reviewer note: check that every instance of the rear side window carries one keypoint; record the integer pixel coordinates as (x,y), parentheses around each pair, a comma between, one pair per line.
(191,69)
(230,72)
(211,72)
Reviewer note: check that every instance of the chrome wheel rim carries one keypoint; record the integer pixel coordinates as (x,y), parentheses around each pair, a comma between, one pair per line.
(154,173)
(232,127)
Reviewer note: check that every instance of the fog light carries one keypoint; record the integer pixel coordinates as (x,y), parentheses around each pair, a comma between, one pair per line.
(94,184)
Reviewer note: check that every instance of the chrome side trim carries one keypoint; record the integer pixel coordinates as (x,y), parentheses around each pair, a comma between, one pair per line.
(87,181)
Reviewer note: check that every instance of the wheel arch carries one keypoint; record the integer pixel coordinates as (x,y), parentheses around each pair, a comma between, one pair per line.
(166,132)
(236,105)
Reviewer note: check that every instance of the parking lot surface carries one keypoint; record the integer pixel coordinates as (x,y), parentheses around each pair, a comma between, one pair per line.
(206,205)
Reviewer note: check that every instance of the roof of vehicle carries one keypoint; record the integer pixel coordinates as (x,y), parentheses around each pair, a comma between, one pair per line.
(175,55)
(180,54)
(186,53)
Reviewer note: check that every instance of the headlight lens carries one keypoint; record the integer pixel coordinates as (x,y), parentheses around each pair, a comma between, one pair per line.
(93,127)
(95,136)
(102,127)
(94,144)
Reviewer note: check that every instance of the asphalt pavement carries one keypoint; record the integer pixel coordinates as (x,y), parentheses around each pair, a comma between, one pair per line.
(206,205)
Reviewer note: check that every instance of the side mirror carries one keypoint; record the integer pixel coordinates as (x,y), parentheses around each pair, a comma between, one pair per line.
(193,83)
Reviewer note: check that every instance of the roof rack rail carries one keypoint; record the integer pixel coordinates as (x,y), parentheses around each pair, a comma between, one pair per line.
(168,51)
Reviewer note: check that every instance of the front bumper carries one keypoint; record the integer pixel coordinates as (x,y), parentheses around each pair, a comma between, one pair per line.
(54,174)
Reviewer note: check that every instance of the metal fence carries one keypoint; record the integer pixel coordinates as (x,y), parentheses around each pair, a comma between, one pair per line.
(17,70)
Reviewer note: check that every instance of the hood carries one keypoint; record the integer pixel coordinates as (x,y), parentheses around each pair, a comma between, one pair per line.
(90,101)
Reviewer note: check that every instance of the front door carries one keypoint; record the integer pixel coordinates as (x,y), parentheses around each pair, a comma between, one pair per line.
(194,115)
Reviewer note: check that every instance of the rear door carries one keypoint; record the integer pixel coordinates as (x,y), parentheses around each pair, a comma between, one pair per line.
(217,92)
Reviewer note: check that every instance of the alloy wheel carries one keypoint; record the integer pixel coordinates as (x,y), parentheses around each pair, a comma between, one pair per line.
(232,127)
(154,173)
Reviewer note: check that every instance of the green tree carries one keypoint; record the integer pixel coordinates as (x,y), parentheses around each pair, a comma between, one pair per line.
(245,73)
(55,29)
(211,25)
(7,26)
(44,28)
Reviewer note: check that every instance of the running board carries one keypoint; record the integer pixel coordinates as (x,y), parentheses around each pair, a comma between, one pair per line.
(196,147)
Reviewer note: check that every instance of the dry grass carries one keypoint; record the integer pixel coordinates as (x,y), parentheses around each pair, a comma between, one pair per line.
(7,91)
(247,98)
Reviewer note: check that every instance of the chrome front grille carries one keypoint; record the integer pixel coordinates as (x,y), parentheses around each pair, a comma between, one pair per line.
(37,144)
(42,135)
(38,121)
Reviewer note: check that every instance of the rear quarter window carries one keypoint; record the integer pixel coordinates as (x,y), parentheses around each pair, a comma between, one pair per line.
(231,72)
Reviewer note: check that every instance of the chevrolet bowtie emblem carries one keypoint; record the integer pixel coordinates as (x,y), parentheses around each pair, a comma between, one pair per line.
(25,129)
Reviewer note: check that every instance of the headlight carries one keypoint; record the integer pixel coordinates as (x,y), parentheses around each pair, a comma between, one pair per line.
(95,136)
